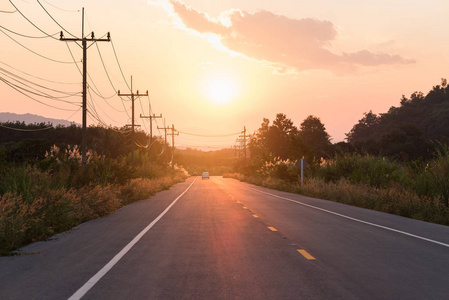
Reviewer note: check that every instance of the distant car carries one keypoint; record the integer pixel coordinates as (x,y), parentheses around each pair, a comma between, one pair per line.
(194,174)
(205,175)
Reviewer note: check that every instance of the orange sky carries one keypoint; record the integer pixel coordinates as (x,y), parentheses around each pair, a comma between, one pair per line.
(213,67)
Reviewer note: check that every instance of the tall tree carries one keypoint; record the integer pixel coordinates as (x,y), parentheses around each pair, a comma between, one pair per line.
(276,140)
(314,136)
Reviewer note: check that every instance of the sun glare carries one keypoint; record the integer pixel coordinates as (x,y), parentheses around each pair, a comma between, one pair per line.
(221,90)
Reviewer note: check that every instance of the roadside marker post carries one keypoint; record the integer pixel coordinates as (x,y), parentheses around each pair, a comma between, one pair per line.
(301,164)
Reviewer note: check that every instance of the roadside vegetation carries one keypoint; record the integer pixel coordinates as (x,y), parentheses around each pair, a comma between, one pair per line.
(54,192)
(415,190)
(396,162)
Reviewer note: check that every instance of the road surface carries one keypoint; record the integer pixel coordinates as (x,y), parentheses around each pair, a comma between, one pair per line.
(223,239)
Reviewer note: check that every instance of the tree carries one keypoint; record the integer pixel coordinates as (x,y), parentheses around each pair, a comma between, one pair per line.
(314,136)
(281,139)
(364,129)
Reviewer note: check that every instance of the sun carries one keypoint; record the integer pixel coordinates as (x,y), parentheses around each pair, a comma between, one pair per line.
(221,90)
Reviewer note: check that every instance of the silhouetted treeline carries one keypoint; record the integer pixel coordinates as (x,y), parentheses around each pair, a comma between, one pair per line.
(197,161)
(23,144)
(282,140)
(407,132)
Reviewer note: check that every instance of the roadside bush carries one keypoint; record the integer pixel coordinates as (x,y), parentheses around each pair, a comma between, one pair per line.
(371,170)
(16,218)
(281,169)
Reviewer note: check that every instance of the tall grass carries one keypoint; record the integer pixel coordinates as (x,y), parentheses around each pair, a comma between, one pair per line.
(418,190)
(58,193)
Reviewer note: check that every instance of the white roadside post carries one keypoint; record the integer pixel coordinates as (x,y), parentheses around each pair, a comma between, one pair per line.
(301,164)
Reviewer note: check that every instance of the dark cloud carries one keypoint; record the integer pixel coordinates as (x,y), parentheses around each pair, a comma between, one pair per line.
(282,42)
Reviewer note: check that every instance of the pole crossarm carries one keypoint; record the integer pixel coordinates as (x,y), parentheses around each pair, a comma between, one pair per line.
(91,39)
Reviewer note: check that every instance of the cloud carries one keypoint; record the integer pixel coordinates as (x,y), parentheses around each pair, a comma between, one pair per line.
(279,41)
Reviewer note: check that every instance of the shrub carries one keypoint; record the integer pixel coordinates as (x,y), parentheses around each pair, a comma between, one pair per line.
(17,217)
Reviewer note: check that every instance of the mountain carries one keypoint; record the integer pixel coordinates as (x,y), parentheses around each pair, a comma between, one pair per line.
(31,119)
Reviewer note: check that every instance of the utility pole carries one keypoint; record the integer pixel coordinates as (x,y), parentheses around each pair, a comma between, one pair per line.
(244,137)
(84,41)
(165,129)
(151,117)
(132,95)
(173,144)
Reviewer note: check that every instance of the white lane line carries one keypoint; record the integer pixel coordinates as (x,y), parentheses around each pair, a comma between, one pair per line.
(353,219)
(92,281)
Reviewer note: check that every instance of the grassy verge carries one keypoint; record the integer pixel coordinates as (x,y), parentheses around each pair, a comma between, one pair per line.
(394,199)
(34,205)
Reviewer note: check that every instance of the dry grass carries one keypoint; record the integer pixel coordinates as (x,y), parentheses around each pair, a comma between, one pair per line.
(394,199)
(47,211)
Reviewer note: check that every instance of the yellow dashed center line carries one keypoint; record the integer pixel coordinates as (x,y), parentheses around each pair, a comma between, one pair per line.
(272,228)
(244,207)
(255,216)
(305,254)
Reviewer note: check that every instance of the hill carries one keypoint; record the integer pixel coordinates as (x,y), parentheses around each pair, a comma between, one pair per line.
(32,119)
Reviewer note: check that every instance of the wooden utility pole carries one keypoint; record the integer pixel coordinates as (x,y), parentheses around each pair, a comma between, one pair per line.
(173,144)
(165,129)
(151,117)
(84,41)
(243,140)
(133,97)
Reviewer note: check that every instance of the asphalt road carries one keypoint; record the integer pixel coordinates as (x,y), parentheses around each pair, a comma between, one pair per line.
(222,239)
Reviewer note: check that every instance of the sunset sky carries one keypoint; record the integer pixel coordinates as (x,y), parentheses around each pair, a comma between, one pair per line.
(213,67)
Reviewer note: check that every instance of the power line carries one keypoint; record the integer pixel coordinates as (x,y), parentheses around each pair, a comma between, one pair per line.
(119,66)
(31,21)
(27,36)
(18,90)
(61,8)
(35,92)
(11,75)
(32,51)
(8,12)
(205,135)
(54,19)
(110,81)
(52,81)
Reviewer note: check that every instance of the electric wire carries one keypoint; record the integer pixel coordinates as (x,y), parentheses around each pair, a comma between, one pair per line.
(110,81)
(91,80)
(119,66)
(10,75)
(52,81)
(8,12)
(67,10)
(54,19)
(205,135)
(18,90)
(48,58)
(36,93)
(18,10)
(27,36)
(71,116)
(93,106)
